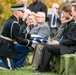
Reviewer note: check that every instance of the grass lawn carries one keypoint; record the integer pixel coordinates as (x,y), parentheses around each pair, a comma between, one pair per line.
(26,70)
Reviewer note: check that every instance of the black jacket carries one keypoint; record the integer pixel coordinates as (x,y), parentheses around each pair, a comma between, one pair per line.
(12,32)
(39,6)
(68,42)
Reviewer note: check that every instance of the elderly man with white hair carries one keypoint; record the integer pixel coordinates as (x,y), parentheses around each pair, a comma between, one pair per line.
(41,29)
(54,20)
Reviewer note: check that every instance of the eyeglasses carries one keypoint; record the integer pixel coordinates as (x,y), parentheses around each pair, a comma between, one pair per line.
(57,8)
(39,16)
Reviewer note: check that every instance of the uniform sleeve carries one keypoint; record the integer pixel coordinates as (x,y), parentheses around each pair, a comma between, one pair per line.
(17,36)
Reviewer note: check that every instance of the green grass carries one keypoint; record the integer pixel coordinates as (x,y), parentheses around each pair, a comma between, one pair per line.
(26,70)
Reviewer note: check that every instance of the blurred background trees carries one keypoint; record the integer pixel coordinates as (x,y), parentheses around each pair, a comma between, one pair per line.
(5,10)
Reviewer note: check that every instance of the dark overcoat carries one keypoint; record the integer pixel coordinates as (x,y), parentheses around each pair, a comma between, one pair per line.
(68,41)
(11,30)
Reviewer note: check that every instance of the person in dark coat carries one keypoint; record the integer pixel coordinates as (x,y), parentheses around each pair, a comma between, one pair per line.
(37,6)
(66,45)
(10,33)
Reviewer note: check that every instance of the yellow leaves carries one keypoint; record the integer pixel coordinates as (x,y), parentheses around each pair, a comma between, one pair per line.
(7,3)
(50,2)
(5,10)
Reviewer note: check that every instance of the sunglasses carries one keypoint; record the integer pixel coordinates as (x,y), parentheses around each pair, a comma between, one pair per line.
(57,8)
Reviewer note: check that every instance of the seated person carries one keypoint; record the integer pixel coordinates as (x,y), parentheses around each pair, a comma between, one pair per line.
(41,28)
(59,32)
(31,21)
(66,45)
(65,19)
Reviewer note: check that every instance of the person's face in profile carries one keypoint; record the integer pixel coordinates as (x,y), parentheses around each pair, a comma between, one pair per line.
(63,20)
(74,12)
(19,13)
(65,14)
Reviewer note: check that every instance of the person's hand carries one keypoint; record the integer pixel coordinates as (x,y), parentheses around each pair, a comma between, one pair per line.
(44,43)
(50,42)
(55,42)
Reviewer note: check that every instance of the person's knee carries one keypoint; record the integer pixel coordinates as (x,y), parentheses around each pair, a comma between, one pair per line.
(39,47)
(45,47)
(48,48)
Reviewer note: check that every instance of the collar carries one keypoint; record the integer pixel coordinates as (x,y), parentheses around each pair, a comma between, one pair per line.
(71,20)
(75,21)
(15,18)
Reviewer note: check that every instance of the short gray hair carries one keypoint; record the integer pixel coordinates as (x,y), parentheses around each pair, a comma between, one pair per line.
(42,14)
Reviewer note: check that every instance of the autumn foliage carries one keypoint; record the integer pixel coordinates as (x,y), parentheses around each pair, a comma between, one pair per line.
(5,10)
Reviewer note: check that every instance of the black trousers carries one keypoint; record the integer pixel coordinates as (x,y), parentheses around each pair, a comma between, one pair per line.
(47,54)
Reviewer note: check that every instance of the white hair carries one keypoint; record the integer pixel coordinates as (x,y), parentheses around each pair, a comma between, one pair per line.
(41,14)
(55,5)
(27,11)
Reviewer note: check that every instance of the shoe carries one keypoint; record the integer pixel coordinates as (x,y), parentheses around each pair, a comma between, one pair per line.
(36,71)
(18,67)
(48,69)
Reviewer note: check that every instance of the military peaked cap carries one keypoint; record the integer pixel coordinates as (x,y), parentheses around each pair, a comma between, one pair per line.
(17,7)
